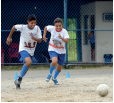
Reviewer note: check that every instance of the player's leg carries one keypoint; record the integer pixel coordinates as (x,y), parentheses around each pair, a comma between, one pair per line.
(58,69)
(25,57)
(53,56)
(25,66)
(93,52)
(53,64)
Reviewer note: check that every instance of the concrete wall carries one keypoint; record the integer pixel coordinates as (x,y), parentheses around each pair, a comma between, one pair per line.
(104,39)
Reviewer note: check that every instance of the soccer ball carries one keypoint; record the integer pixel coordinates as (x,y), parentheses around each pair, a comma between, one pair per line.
(102,90)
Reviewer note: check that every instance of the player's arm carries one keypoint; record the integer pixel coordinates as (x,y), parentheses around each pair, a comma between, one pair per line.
(44,35)
(9,39)
(36,39)
(64,39)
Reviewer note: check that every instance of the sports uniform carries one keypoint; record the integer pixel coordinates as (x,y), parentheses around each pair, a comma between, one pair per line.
(27,44)
(56,48)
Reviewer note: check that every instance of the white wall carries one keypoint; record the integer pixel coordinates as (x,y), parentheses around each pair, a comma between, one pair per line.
(87,9)
(104,39)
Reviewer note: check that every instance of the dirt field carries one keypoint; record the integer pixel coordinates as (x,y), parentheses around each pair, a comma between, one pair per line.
(80,87)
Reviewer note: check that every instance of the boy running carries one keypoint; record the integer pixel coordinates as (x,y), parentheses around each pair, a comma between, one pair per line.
(30,35)
(59,36)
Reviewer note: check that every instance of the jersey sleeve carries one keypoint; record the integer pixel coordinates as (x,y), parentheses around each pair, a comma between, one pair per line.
(66,34)
(39,34)
(50,28)
(19,27)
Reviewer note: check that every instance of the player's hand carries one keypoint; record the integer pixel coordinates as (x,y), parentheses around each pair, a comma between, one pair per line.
(32,36)
(45,39)
(9,40)
(59,36)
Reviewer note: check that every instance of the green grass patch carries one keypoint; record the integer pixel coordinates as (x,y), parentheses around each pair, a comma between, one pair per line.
(72,45)
(47,67)
(11,67)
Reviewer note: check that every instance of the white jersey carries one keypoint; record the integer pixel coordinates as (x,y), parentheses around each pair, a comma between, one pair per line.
(56,44)
(26,43)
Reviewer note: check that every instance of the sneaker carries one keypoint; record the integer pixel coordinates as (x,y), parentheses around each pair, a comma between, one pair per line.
(48,77)
(55,81)
(17,83)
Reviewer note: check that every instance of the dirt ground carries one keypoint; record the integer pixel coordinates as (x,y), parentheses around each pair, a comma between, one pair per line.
(80,87)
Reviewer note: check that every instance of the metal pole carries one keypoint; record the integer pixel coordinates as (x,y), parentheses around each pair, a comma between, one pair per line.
(65,26)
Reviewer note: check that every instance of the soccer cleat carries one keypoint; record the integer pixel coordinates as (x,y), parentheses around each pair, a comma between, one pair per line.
(17,83)
(55,81)
(48,77)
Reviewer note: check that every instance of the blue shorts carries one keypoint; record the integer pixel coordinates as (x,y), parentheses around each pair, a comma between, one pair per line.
(24,54)
(59,56)
(93,46)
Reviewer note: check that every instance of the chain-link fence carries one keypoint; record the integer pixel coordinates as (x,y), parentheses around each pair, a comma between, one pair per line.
(89,24)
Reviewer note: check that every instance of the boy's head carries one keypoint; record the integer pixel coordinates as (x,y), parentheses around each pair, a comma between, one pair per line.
(32,21)
(58,24)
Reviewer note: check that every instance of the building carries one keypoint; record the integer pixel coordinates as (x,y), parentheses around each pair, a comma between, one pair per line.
(101,15)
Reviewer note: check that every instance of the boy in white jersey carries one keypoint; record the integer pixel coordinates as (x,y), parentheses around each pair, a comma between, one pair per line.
(59,36)
(30,35)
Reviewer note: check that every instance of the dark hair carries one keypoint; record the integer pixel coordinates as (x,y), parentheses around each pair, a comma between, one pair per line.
(58,20)
(31,17)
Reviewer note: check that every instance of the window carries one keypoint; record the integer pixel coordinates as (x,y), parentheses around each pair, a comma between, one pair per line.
(86,18)
(107,16)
